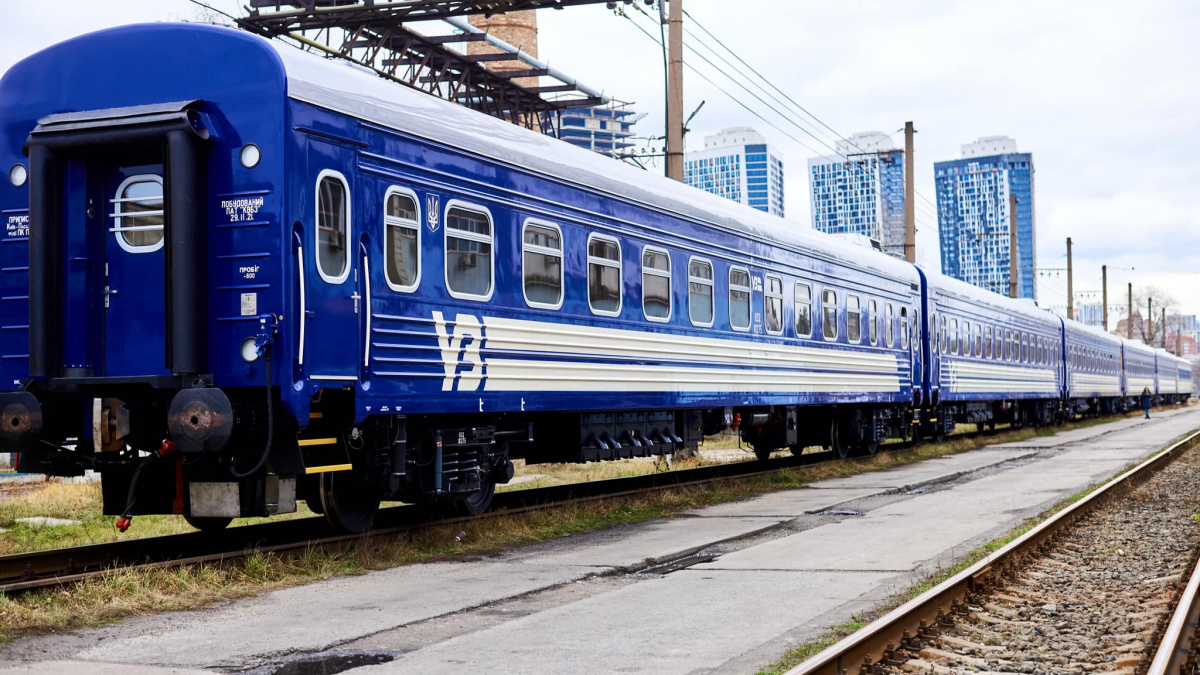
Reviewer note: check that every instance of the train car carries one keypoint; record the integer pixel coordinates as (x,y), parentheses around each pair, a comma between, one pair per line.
(1166,376)
(1183,369)
(260,276)
(1093,363)
(1138,371)
(993,359)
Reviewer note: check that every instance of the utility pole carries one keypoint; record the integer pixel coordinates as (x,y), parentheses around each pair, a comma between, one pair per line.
(1104,293)
(1164,327)
(1148,332)
(1129,311)
(675,90)
(910,207)
(1070,284)
(1012,245)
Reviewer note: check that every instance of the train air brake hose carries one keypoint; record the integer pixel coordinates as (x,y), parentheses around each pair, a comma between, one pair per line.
(262,461)
(167,447)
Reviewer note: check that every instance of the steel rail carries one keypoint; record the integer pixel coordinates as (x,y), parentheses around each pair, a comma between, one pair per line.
(1179,639)
(921,617)
(38,569)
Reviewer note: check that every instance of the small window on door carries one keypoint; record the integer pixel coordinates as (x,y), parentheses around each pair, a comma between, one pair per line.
(700,292)
(333,227)
(853,318)
(468,252)
(739,299)
(656,285)
(873,321)
(774,305)
(829,312)
(889,329)
(542,265)
(138,214)
(604,275)
(904,328)
(803,310)
(402,240)
(954,336)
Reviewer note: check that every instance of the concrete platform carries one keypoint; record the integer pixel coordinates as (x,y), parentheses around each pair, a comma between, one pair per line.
(742,582)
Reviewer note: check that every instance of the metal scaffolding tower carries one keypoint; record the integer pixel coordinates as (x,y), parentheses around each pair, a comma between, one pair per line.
(373,33)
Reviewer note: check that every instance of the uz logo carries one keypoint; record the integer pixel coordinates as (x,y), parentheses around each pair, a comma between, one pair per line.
(460,349)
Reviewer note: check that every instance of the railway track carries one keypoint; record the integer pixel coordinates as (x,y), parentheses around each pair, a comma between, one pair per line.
(24,571)
(1090,590)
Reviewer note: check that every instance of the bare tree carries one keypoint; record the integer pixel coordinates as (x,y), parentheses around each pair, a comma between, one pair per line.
(1152,298)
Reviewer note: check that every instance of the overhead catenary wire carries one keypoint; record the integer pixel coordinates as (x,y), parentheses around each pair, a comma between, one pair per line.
(789,118)
(782,93)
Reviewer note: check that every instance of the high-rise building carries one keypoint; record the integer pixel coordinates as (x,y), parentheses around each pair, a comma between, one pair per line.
(860,190)
(973,215)
(738,164)
(603,129)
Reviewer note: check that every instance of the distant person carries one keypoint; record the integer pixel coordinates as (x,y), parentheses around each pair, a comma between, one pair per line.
(1146,401)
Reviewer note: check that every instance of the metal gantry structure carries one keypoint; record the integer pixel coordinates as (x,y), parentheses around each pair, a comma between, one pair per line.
(373,33)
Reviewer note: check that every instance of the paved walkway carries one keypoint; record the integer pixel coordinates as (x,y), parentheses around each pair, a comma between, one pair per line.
(727,588)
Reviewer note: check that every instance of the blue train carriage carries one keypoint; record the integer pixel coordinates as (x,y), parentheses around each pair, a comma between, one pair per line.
(1138,371)
(993,359)
(260,276)
(1169,377)
(1093,361)
(1183,368)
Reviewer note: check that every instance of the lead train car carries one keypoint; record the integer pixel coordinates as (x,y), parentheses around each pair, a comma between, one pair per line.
(259,276)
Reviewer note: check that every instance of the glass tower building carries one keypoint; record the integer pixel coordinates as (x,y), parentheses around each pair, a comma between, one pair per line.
(973,215)
(738,164)
(860,190)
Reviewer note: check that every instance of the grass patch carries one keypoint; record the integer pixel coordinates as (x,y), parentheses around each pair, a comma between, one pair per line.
(124,593)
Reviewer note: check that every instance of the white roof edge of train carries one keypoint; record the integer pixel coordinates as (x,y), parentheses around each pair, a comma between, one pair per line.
(939,281)
(1137,345)
(362,94)
(1072,324)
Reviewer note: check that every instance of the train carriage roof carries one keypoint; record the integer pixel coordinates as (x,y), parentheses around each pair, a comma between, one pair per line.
(1076,327)
(942,283)
(355,91)
(1137,346)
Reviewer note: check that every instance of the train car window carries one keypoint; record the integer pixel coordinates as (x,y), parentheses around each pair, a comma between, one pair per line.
(987,342)
(853,318)
(904,328)
(1024,348)
(873,321)
(943,343)
(1007,344)
(604,275)
(978,341)
(468,252)
(138,213)
(700,292)
(774,305)
(954,336)
(889,331)
(803,310)
(656,285)
(402,240)
(542,265)
(739,298)
(968,345)
(333,227)
(829,327)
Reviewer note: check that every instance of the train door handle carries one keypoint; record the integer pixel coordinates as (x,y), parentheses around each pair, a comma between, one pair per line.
(108,292)
(355,297)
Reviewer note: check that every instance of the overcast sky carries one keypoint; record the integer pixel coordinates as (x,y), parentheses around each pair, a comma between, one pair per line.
(1102,93)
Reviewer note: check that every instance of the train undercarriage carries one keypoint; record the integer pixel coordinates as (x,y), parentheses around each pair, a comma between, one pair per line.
(211,456)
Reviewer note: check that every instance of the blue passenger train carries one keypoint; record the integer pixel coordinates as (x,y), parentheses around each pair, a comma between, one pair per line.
(261,276)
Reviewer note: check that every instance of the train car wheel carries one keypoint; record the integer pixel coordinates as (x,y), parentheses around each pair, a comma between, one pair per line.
(836,443)
(870,449)
(208,524)
(478,502)
(348,502)
(763,453)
